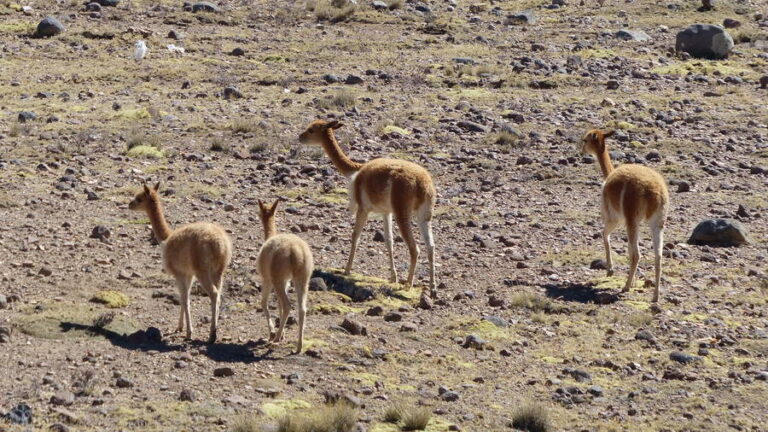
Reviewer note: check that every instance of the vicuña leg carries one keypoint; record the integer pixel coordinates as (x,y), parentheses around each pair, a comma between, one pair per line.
(360,220)
(426,233)
(183,284)
(266,288)
(301,285)
(214,293)
(657,234)
(634,252)
(281,288)
(610,225)
(388,238)
(403,219)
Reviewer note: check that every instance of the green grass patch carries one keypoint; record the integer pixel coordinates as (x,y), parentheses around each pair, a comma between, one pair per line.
(280,407)
(70,321)
(145,151)
(111,299)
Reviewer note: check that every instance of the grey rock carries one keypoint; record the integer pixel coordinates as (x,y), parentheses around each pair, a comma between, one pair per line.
(21,414)
(123,383)
(633,35)
(232,92)
(764,82)
(598,264)
(475,342)
(187,395)
(464,60)
(682,357)
(223,372)
(317,284)
(58,427)
(450,396)
(26,116)
(720,232)
(204,7)
(331,78)
(730,23)
(93,7)
(48,27)
(595,391)
(645,335)
(393,317)
(526,17)
(63,398)
(705,41)
(378,236)
(109,3)
(354,327)
(100,232)
(353,79)
(471,126)
(5,334)
(497,321)
(380,5)
(237,52)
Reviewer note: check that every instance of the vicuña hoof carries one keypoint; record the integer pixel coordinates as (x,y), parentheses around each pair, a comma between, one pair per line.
(610,273)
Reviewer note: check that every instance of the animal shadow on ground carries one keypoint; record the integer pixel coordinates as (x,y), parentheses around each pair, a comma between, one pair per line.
(580,293)
(218,352)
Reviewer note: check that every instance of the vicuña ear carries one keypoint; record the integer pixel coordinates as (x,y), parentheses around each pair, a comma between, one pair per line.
(274,206)
(608,133)
(334,124)
(146,189)
(261,205)
(157,186)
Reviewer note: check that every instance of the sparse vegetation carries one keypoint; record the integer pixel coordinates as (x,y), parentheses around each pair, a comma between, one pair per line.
(416,418)
(111,299)
(247,423)
(534,302)
(243,126)
(532,417)
(332,10)
(342,99)
(339,417)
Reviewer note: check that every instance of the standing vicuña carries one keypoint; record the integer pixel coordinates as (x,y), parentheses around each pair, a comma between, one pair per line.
(384,186)
(199,250)
(631,194)
(283,258)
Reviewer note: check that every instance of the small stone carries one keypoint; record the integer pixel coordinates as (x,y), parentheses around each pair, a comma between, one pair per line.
(409,327)
(764,82)
(497,321)
(633,35)
(63,398)
(223,372)
(232,92)
(720,232)
(237,52)
(474,342)
(595,391)
(331,79)
(520,18)
(646,336)
(379,5)
(598,264)
(425,301)
(48,27)
(683,186)
(378,236)
(100,232)
(730,23)
(175,35)
(450,396)
(5,334)
(45,271)
(682,357)
(204,7)
(353,79)
(123,383)
(375,311)
(26,116)
(612,85)
(187,395)
(393,317)
(471,126)
(317,284)
(354,327)
(21,414)
(58,427)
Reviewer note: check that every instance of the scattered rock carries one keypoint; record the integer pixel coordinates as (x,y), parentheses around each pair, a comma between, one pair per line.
(223,372)
(354,327)
(63,398)
(612,85)
(58,427)
(682,357)
(595,391)
(108,3)
(474,342)
(232,92)
(764,82)
(497,321)
(123,383)
(317,284)
(380,5)
(375,311)
(646,336)
(48,27)
(101,232)
(237,52)
(598,264)
(470,126)
(393,317)
(5,334)
(21,414)
(633,35)
(26,116)
(204,7)
(450,396)
(720,232)
(526,17)
(730,23)
(705,41)
(353,79)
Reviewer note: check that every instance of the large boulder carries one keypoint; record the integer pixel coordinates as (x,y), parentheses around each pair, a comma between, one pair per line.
(705,41)
(48,27)
(719,232)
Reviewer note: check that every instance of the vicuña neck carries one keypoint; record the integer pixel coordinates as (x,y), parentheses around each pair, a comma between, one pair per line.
(157,219)
(344,164)
(605,163)
(269,229)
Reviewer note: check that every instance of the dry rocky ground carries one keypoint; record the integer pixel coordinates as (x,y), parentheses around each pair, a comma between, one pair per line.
(494,110)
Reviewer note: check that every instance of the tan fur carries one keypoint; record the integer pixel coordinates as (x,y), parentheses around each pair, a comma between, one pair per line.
(283,258)
(386,186)
(631,194)
(199,250)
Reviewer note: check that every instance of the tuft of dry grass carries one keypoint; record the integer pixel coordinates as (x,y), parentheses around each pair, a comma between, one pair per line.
(342,99)
(506,138)
(534,302)
(395,4)
(339,417)
(138,137)
(243,126)
(332,10)
(218,145)
(416,418)
(247,423)
(532,417)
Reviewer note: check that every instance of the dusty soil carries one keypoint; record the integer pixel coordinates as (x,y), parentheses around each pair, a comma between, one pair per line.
(522,316)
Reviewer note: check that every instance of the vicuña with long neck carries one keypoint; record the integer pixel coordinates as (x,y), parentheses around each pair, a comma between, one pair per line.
(387,187)
(283,258)
(199,250)
(631,194)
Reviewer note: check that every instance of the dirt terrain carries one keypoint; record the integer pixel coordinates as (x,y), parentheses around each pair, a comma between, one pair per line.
(494,110)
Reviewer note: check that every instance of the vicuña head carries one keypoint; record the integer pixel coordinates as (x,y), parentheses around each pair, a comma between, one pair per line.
(199,250)
(387,187)
(283,258)
(631,194)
